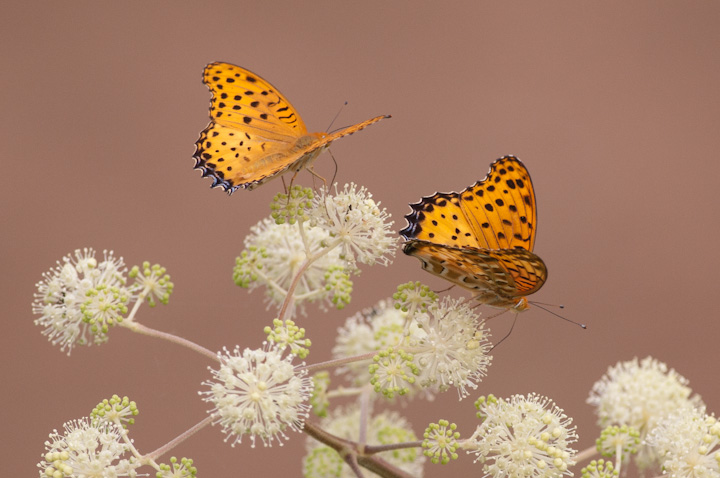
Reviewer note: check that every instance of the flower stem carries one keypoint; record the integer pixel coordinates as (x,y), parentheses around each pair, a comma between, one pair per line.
(352,453)
(336,363)
(179,439)
(586,454)
(142,329)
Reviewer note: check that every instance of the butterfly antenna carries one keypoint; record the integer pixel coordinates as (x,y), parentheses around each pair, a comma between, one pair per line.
(506,335)
(559,306)
(540,305)
(336,116)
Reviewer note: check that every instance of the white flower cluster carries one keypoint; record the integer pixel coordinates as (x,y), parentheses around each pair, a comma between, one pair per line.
(438,348)
(81,298)
(523,437)
(638,394)
(87,449)
(341,230)
(356,223)
(258,393)
(688,444)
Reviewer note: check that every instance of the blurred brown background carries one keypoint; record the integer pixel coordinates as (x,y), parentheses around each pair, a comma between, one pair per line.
(613,107)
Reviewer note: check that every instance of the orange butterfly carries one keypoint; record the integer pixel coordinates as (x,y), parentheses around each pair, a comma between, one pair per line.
(255,134)
(482,237)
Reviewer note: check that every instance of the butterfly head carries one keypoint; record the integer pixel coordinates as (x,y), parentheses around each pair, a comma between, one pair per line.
(521,305)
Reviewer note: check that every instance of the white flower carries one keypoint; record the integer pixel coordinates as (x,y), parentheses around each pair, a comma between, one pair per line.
(688,444)
(383,429)
(87,450)
(258,393)
(523,437)
(453,350)
(81,298)
(638,394)
(274,255)
(355,221)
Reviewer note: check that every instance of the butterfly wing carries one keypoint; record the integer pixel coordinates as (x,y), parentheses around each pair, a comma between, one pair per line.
(254,134)
(244,100)
(497,212)
(499,278)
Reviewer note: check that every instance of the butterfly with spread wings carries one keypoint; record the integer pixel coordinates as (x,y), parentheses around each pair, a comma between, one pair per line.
(255,134)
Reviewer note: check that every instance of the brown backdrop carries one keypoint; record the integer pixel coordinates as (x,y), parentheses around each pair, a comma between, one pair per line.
(614,108)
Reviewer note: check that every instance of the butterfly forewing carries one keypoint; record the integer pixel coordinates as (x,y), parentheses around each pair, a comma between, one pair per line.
(501,207)
(243,99)
(497,212)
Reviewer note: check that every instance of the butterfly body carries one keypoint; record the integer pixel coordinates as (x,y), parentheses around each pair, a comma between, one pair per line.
(255,134)
(482,237)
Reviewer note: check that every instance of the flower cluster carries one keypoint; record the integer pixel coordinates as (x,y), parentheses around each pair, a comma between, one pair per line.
(446,345)
(453,349)
(441,442)
(638,394)
(258,393)
(81,298)
(522,437)
(356,223)
(87,449)
(688,444)
(311,253)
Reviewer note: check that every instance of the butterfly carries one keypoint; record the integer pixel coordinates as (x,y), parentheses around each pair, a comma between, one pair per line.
(255,134)
(482,237)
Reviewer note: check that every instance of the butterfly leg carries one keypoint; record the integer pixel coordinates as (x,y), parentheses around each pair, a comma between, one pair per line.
(444,290)
(506,335)
(284,185)
(311,171)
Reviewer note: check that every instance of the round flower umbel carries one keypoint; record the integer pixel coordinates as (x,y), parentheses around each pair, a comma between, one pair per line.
(638,394)
(120,411)
(688,444)
(258,393)
(354,221)
(522,437)
(81,298)
(441,442)
(87,449)
(453,350)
